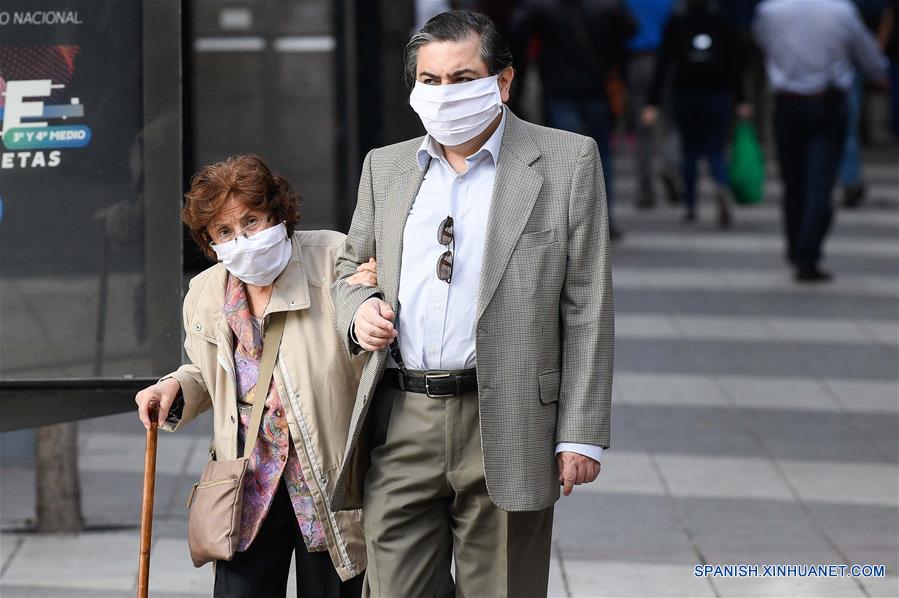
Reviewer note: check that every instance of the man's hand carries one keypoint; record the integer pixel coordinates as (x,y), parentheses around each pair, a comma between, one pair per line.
(373,324)
(649,116)
(366,274)
(744,110)
(576,469)
(164,393)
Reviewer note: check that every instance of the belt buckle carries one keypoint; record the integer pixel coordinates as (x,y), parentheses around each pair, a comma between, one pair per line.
(428,378)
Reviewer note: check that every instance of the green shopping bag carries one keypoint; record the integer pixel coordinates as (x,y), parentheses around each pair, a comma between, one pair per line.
(747,165)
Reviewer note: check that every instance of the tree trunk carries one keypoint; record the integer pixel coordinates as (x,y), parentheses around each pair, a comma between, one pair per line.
(58,488)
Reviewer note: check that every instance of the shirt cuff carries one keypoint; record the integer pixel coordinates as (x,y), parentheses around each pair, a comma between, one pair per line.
(587,450)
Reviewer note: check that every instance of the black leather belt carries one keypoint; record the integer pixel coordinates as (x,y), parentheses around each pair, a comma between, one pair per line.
(437,385)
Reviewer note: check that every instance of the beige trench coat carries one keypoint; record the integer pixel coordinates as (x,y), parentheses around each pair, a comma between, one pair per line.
(315,378)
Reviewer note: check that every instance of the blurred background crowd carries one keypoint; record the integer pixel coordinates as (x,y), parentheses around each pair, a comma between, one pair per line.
(676,82)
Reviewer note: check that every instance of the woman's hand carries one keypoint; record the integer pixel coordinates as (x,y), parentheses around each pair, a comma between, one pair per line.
(164,393)
(366,274)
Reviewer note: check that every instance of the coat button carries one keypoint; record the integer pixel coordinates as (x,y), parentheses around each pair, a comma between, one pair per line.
(198,327)
(232,419)
(283,458)
(279,413)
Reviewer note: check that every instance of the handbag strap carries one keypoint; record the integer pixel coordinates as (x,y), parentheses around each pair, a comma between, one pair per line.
(271,342)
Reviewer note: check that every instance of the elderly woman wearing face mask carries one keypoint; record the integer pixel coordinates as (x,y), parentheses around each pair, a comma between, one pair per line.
(243,214)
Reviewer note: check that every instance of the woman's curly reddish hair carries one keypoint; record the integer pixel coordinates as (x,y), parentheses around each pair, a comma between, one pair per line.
(246,178)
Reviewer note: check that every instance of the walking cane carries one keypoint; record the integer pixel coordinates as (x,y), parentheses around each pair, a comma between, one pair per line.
(146,511)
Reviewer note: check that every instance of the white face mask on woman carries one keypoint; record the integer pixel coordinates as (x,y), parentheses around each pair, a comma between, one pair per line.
(455,114)
(259,258)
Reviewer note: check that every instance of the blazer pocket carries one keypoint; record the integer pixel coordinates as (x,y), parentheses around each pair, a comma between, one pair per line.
(549,386)
(543,237)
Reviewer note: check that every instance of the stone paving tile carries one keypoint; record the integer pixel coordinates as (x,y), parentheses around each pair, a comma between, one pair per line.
(589,579)
(620,526)
(866,395)
(9,545)
(885,332)
(751,303)
(882,588)
(684,258)
(785,433)
(16,496)
(764,243)
(723,477)
(737,527)
(788,587)
(847,483)
(669,389)
(171,569)
(773,392)
(556,587)
(106,561)
(769,280)
(125,453)
(645,326)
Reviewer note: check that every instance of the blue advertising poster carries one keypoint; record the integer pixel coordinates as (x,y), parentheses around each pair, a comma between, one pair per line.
(72,255)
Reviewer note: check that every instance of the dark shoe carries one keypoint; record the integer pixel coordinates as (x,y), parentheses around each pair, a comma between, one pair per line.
(671,185)
(812,274)
(615,233)
(690,217)
(854,196)
(725,213)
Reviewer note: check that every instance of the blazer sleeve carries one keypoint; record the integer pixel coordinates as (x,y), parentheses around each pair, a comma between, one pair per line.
(194,397)
(587,313)
(358,247)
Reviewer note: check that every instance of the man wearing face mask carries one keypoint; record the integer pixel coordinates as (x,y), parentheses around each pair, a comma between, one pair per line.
(489,333)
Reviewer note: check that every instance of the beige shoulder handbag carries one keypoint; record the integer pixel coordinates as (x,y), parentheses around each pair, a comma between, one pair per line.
(215,501)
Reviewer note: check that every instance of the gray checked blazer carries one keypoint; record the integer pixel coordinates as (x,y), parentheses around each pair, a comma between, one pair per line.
(545,323)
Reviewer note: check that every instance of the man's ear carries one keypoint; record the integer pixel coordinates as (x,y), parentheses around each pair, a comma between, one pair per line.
(505,83)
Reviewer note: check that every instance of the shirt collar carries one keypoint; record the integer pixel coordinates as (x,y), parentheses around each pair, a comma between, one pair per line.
(431,149)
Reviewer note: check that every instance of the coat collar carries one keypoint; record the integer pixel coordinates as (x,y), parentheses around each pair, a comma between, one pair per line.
(290,293)
(515,192)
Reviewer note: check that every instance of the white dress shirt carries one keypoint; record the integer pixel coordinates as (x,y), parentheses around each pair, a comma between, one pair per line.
(810,45)
(436,320)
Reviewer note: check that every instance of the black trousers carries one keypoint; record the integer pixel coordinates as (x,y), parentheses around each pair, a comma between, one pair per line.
(810,133)
(262,570)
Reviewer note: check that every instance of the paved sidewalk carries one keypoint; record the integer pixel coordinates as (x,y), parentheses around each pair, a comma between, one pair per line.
(755,421)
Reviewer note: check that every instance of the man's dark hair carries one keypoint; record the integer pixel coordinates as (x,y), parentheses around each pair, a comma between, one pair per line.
(454,26)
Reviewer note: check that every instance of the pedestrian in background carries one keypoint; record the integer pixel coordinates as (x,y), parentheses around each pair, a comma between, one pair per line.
(704,53)
(809,52)
(889,41)
(583,46)
(851,175)
(651,16)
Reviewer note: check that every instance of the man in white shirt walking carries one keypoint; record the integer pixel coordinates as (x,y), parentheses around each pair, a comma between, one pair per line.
(810,47)
(490,331)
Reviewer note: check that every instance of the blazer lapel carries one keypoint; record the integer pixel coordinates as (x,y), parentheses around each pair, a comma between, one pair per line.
(515,191)
(402,188)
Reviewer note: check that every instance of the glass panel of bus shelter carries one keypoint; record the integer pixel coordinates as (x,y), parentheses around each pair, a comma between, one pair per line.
(89,249)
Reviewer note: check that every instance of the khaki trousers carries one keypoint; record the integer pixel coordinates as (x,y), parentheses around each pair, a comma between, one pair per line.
(426,506)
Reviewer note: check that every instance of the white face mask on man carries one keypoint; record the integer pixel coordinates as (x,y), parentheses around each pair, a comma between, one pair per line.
(455,114)
(259,258)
